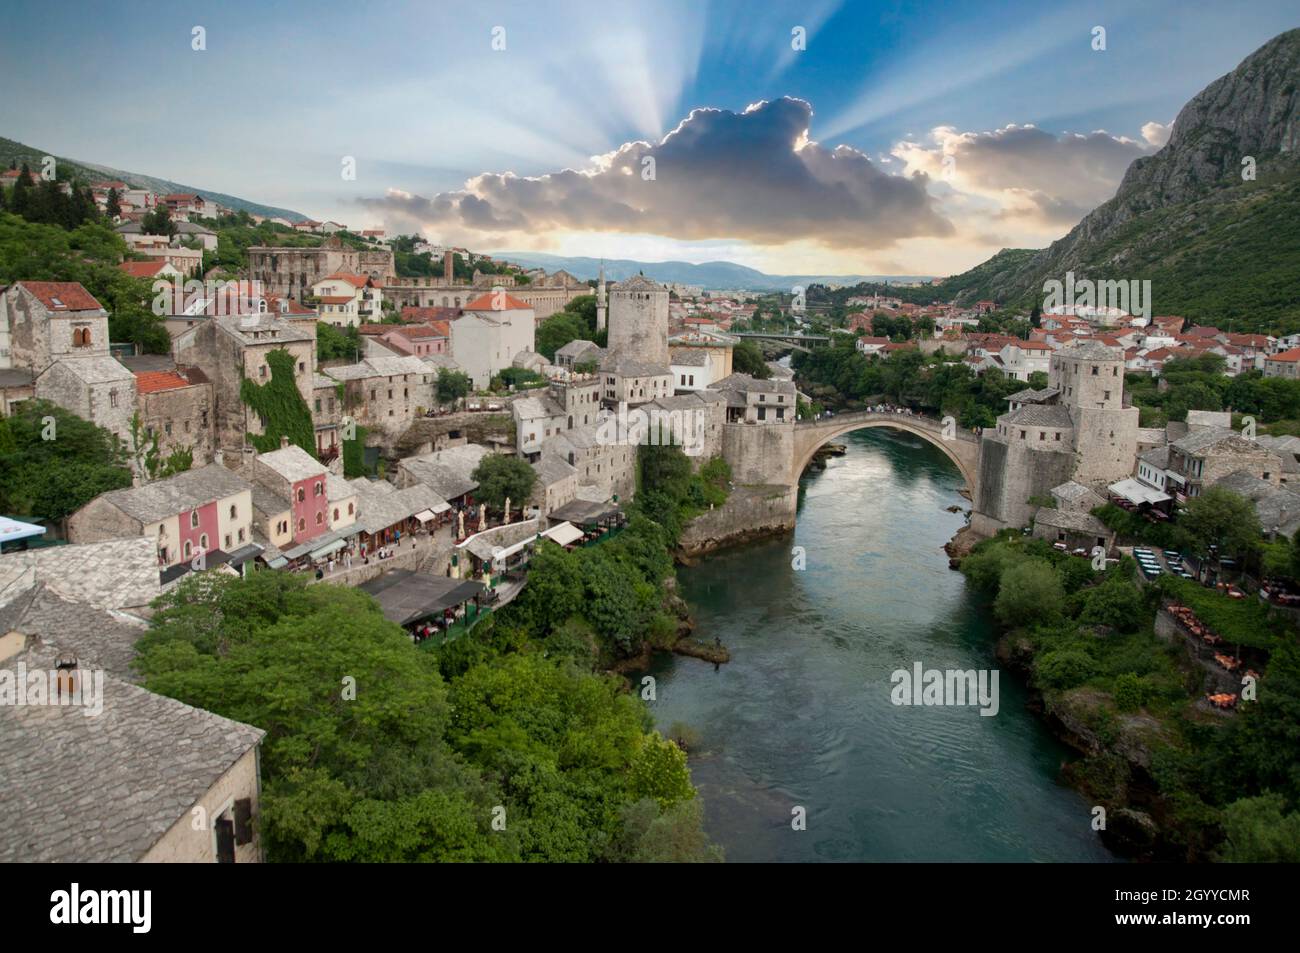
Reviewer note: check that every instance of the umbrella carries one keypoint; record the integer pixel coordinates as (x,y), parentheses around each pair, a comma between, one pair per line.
(482,515)
(506,518)
(461,516)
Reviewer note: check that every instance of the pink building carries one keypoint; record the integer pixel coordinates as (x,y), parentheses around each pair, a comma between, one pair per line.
(297,477)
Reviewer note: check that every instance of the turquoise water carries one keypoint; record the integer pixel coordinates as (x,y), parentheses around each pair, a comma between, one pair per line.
(802,717)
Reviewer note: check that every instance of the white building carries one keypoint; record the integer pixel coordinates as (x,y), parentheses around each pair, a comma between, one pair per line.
(492,330)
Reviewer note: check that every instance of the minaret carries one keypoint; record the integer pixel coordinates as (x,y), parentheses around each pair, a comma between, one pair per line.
(600,299)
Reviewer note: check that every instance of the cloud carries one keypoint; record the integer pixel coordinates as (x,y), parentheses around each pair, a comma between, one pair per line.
(1156,134)
(1027,173)
(753,175)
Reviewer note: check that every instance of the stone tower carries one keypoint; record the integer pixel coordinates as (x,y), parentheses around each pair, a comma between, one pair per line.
(638,320)
(1090,380)
(600,299)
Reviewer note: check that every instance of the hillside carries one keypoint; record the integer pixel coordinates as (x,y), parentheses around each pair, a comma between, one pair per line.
(11,151)
(1216,249)
(709,274)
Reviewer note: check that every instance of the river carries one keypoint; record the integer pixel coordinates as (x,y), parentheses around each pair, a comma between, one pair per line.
(802,718)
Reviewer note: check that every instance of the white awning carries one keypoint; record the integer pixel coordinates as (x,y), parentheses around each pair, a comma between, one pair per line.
(424,516)
(563,534)
(441,507)
(1135,492)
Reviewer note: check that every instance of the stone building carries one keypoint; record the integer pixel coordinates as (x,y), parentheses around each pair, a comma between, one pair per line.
(627,380)
(44,321)
(327,417)
(177,407)
(1205,456)
(72,796)
(228,349)
(557,484)
(579,352)
(638,320)
(544,412)
(605,470)
(1077,428)
(196,511)
(98,389)
(387,393)
(291,272)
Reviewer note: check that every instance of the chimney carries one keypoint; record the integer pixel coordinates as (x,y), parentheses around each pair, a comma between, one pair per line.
(448,266)
(284,441)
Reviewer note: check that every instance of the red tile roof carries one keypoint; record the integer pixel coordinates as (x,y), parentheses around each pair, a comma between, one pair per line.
(150,382)
(71,295)
(142,269)
(335,299)
(425,315)
(489,301)
(357,281)
(1289,357)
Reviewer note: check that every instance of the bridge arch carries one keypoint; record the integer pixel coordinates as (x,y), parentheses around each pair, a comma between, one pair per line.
(962,449)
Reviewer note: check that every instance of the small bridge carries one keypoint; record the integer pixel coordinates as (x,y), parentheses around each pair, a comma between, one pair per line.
(960,446)
(800,342)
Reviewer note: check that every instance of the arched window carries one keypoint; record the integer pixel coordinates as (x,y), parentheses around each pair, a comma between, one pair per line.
(203,542)
(189,548)
(194,519)
(234,511)
(349,509)
(302,524)
(320,518)
(302,494)
(336,513)
(317,489)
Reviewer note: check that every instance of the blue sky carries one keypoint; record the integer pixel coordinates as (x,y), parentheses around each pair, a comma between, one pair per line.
(419,96)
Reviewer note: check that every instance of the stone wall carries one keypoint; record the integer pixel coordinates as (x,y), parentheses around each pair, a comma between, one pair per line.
(750,512)
(183,844)
(760,453)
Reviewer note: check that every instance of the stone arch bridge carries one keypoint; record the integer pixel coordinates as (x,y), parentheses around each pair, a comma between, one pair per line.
(960,446)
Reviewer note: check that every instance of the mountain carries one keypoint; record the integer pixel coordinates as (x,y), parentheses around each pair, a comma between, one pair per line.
(1217,249)
(709,274)
(11,151)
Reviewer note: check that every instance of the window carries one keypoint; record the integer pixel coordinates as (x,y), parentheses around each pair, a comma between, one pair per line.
(234,512)
(302,524)
(189,548)
(203,541)
(349,509)
(302,494)
(1042,435)
(336,513)
(1022,435)
(1106,395)
(320,518)
(241,535)
(1094,370)
(112,400)
(194,519)
(227,542)
(261,371)
(317,489)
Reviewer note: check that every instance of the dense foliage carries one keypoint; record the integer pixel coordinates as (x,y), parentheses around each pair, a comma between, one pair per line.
(52,462)
(280,405)
(485,749)
(1224,787)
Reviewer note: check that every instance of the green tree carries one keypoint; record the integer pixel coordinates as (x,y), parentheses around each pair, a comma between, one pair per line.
(1029,592)
(1221,518)
(57,462)
(746,358)
(502,478)
(1260,831)
(452,385)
